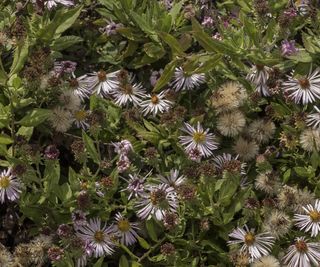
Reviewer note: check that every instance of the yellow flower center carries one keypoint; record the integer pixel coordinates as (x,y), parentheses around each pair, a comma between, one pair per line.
(102,75)
(199,137)
(301,246)
(249,239)
(4,182)
(304,83)
(124,225)
(80,115)
(314,216)
(154,99)
(99,236)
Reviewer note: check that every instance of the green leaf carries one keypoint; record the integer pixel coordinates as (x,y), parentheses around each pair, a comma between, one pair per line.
(5,139)
(286,175)
(135,264)
(144,26)
(64,42)
(151,230)
(99,262)
(90,147)
(63,19)
(301,56)
(143,243)
(35,117)
(166,75)
(123,262)
(154,50)
(210,44)
(301,171)
(20,56)
(25,131)
(173,43)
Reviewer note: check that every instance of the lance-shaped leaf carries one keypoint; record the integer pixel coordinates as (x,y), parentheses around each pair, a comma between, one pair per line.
(173,43)
(210,44)
(166,75)
(35,117)
(20,56)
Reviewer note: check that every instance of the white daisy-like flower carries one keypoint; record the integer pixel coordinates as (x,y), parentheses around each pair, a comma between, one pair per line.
(102,83)
(157,201)
(173,179)
(184,81)
(303,253)
(199,139)
(49,4)
(259,76)
(304,89)
(97,236)
(10,186)
(309,222)
(136,185)
(128,91)
(313,119)
(155,104)
(221,162)
(81,87)
(125,230)
(257,245)
(81,118)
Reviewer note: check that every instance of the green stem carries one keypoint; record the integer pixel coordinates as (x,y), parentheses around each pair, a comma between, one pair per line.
(145,255)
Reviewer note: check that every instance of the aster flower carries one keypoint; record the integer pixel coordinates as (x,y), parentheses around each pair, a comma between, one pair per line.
(225,161)
(309,222)
(257,245)
(125,230)
(123,147)
(111,28)
(128,91)
(259,75)
(183,81)
(102,83)
(81,86)
(81,118)
(288,48)
(10,186)
(97,236)
(194,154)
(49,4)
(198,138)
(302,253)
(78,218)
(136,185)
(313,119)
(61,67)
(155,75)
(173,179)
(123,163)
(304,89)
(155,104)
(156,201)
